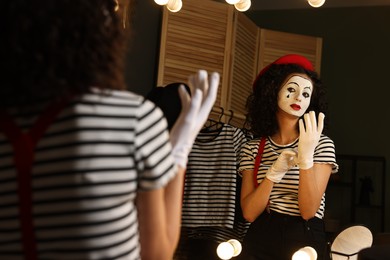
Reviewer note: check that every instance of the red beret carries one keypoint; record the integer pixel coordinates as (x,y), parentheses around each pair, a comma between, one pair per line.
(288,59)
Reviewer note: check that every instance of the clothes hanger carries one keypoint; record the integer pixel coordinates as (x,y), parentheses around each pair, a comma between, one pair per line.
(214,125)
(247,130)
(230,117)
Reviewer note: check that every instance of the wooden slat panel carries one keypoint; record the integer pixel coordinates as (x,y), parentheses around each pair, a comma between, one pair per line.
(195,38)
(244,66)
(274,44)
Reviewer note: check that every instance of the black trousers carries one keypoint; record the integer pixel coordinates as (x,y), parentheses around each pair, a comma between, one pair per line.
(275,236)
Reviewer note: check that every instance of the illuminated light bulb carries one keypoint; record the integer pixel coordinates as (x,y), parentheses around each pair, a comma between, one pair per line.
(236,245)
(161,2)
(316,3)
(232,2)
(116,7)
(305,253)
(243,5)
(174,5)
(225,250)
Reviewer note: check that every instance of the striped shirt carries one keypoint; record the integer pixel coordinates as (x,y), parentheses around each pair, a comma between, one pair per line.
(284,195)
(99,151)
(211,191)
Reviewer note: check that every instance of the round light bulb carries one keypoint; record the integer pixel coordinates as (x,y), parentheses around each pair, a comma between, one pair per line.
(232,2)
(305,253)
(161,2)
(243,5)
(300,255)
(174,5)
(236,245)
(116,7)
(316,3)
(225,250)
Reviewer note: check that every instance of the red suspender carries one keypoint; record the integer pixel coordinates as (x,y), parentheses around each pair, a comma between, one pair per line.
(24,146)
(257,164)
(258,160)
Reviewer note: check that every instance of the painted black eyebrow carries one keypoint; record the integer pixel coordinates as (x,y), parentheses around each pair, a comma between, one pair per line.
(293,82)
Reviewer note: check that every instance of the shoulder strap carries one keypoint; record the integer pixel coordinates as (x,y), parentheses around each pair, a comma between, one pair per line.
(24,145)
(258,159)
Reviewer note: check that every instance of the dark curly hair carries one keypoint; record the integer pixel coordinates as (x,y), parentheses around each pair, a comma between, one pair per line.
(262,104)
(50,48)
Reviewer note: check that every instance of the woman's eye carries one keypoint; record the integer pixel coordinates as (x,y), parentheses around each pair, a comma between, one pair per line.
(291,90)
(306,95)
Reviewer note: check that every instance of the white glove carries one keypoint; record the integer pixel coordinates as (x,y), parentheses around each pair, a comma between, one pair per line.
(309,135)
(194,113)
(285,162)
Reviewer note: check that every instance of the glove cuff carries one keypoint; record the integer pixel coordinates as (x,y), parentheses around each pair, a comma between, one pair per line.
(273,176)
(274,180)
(180,154)
(305,164)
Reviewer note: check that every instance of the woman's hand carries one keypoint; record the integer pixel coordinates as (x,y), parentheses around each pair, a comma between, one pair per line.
(285,162)
(194,114)
(309,135)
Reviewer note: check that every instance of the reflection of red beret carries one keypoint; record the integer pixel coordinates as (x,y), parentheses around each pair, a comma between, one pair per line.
(288,59)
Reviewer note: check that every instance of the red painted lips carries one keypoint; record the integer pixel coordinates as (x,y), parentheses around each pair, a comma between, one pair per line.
(296,107)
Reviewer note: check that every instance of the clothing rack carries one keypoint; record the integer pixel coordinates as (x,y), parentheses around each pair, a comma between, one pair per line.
(227,116)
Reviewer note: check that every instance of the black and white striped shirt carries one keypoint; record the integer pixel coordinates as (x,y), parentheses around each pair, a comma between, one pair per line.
(284,195)
(211,192)
(100,150)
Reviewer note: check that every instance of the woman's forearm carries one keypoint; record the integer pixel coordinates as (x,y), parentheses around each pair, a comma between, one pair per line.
(255,200)
(312,186)
(159,218)
(173,198)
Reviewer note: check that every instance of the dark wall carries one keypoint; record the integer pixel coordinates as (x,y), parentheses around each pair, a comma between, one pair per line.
(355,68)
(142,57)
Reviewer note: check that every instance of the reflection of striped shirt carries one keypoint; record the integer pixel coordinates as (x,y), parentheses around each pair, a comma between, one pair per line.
(284,195)
(211,191)
(88,167)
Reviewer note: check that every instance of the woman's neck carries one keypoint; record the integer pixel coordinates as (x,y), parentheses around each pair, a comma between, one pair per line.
(287,131)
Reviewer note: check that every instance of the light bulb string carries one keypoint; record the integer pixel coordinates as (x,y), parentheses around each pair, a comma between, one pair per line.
(176,5)
(240,5)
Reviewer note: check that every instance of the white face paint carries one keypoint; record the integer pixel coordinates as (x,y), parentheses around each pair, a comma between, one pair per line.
(294,96)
